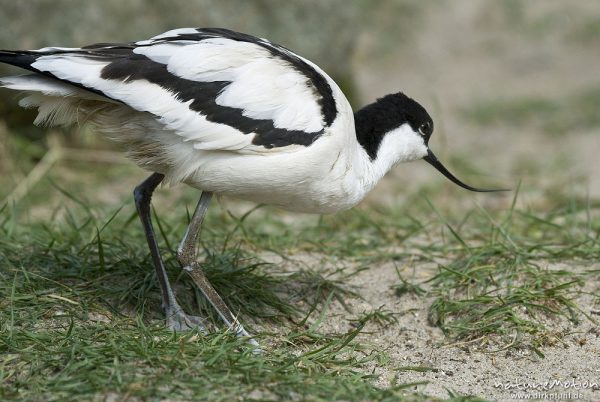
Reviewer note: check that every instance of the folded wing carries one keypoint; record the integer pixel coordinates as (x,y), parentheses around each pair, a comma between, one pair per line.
(218,89)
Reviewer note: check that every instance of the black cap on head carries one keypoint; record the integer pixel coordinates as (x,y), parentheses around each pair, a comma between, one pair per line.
(377,119)
(408,110)
(415,114)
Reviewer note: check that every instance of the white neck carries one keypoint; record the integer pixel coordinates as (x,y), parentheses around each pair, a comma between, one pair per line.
(399,145)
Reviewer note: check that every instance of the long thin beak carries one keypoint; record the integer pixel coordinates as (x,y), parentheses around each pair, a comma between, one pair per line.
(433,161)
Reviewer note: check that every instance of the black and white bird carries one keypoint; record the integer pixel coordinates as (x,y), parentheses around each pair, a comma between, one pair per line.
(229,114)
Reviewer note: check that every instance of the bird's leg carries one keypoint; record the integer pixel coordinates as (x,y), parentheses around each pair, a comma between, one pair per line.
(187,256)
(176,319)
(186,252)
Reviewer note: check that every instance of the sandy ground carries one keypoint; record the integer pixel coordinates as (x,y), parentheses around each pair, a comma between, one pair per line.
(465,52)
(471,368)
(488,368)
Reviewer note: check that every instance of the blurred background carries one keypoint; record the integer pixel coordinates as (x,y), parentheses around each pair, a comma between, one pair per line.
(513,87)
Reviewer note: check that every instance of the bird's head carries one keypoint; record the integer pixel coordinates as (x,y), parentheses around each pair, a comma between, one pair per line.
(397,128)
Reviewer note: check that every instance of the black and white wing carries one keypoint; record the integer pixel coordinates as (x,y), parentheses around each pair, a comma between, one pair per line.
(218,89)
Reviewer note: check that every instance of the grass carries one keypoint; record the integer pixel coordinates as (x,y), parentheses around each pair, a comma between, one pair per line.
(505,286)
(137,361)
(79,318)
(80,315)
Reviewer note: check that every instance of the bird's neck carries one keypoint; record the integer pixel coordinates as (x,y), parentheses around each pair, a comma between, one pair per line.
(367,133)
(379,148)
(365,168)
(383,144)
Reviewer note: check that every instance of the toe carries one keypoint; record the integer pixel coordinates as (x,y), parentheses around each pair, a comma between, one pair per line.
(180,322)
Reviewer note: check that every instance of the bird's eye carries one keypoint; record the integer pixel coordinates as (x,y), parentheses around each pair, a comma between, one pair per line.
(425,129)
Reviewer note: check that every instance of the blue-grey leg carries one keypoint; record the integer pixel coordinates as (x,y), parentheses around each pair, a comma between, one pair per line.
(187,257)
(177,320)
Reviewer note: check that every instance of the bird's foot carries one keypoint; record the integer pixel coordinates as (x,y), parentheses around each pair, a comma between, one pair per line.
(242,333)
(179,321)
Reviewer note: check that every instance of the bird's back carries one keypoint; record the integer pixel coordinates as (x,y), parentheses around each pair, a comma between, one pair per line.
(220,110)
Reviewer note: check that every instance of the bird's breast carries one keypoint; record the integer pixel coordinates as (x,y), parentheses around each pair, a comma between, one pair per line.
(320,178)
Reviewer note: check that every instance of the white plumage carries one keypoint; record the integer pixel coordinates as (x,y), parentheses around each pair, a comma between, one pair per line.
(332,174)
(227,113)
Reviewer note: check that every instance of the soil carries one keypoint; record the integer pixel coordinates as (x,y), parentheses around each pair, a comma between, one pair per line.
(481,368)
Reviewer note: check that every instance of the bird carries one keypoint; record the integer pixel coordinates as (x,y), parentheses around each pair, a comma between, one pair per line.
(229,114)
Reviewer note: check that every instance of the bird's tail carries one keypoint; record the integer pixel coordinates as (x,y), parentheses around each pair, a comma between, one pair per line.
(58,102)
